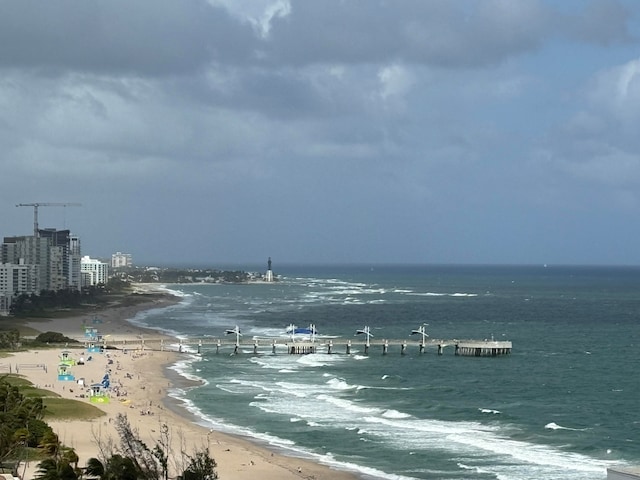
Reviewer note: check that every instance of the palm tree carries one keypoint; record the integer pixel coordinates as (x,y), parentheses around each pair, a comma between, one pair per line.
(50,444)
(52,469)
(95,468)
(117,468)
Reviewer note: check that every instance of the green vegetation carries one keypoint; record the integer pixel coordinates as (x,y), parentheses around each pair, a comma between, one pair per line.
(24,434)
(53,337)
(21,422)
(50,304)
(27,388)
(35,305)
(133,459)
(183,275)
(62,408)
(9,339)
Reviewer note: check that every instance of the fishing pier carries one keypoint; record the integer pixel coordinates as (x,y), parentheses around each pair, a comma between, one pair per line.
(305,341)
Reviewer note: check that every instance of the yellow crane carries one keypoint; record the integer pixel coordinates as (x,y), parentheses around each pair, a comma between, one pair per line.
(44,204)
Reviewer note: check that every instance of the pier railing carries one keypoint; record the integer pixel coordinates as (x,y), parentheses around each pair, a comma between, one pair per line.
(469,347)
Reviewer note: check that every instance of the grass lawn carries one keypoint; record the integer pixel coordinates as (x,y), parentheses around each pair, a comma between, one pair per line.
(57,408)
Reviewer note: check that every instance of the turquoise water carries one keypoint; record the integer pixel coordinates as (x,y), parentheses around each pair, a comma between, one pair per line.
(563,405)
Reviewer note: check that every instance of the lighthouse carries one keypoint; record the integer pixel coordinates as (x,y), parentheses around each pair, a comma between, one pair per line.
(269,276)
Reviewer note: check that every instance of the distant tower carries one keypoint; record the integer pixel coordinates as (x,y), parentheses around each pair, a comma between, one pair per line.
(269,276)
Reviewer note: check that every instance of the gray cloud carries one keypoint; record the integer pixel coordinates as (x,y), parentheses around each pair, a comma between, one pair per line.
(138,38)
(444,131)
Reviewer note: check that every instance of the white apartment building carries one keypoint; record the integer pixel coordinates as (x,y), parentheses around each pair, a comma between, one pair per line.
(94,272)
(120,260)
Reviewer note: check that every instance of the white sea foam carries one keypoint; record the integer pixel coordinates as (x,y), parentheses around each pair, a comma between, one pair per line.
(488,410)
(184,368)
(394,414)
(338,384)
(438,294)
(555,426)
(473,439)
(348,406)
(531,454)
(552,426)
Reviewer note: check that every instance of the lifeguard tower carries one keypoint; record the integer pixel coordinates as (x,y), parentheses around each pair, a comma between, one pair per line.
(65,358)
(98,393)
(91,332)
(94,348)
(64,373)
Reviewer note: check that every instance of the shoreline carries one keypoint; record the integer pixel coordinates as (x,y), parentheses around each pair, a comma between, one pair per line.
(146,378)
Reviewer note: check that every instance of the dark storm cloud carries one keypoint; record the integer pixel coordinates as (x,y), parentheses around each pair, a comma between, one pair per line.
(311,129)
(180,36)
(139,37)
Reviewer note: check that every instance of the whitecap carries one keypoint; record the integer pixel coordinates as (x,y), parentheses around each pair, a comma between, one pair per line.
(555,426)
(394,414)
(489,410)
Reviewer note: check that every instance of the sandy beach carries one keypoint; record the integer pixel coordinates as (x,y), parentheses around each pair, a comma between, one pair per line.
(140,384)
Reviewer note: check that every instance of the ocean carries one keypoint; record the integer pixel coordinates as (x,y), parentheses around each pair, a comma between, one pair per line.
(563,405)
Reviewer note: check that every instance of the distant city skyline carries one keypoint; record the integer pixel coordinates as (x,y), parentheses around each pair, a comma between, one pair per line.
(333,132)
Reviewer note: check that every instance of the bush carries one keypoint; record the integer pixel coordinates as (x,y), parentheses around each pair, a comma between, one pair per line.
(9,339)
(54,337)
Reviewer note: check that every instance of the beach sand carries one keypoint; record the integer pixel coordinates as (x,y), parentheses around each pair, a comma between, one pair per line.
(143,380)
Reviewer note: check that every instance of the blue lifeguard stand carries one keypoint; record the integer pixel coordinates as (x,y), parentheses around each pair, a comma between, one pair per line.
(64,373)
(93,348)
(91,332)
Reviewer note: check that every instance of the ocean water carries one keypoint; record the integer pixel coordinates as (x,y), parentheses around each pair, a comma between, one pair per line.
(563,405)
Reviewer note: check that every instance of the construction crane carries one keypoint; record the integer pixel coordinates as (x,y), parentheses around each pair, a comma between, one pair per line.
(44,204)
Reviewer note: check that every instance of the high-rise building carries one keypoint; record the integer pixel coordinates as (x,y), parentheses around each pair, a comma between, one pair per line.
(59,261)
(29,250)
(56,252)
(75,258)
(29,264)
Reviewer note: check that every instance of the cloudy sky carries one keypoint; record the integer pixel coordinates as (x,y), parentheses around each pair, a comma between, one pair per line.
(222,132)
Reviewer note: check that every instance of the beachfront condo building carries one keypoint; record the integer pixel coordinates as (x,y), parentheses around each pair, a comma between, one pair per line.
(94,272)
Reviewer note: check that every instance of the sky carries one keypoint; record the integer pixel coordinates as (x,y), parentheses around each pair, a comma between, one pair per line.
(224,132)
